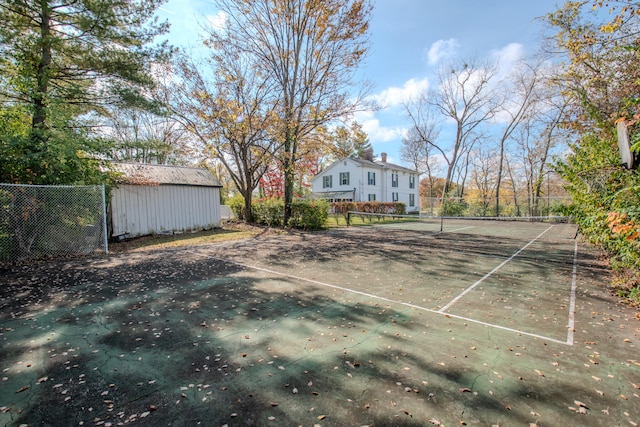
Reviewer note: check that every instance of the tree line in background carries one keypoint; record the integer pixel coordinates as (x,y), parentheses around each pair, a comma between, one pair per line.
(84,83)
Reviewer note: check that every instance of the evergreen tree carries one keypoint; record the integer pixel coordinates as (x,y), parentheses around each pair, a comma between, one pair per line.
(62,62)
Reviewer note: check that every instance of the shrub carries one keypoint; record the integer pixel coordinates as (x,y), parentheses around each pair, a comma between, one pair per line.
(269,212)
(339,209)
(309,214)
(453,207)
(236,204)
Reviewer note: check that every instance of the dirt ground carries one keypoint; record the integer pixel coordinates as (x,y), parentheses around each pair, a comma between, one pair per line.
(285,329)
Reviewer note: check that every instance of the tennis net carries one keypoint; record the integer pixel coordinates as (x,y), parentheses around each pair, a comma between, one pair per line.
(514,227)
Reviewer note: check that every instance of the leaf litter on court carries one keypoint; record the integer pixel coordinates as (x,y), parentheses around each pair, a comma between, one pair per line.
(182,337)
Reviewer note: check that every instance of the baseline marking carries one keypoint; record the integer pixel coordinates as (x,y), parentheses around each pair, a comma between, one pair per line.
(572,302)
(389,300)
(489,274)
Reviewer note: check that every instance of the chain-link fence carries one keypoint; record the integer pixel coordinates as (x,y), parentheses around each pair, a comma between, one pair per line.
(458,206)
(38,221)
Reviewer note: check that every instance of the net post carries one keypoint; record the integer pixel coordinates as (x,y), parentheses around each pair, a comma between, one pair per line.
(441,222)
(348,218)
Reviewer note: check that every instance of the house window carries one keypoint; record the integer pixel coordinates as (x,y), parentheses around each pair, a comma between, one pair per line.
(394,179)
(372,178)
(412,199)
(344,178)
(394,197)
(327,181)
(412,181)
(372,197)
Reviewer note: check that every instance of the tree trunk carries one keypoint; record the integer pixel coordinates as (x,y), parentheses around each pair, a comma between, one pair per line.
(39,117)
(499,179)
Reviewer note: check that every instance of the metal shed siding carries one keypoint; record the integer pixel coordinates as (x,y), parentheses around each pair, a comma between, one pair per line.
(139,210)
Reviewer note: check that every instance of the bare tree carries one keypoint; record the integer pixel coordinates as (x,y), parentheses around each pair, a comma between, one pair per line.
(484,177)
(144,137)
(464,96)
(519,95)
(540,132)
(310,50)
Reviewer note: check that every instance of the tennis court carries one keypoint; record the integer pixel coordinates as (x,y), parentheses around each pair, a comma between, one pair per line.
(404,323)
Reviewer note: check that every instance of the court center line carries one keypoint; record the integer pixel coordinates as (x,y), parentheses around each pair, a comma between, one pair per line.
(572,301)
(489,274)
(389,300)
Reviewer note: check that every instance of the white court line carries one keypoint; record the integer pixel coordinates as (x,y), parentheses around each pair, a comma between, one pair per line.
(406,304)
(572,302)
(454,230)
(489,274)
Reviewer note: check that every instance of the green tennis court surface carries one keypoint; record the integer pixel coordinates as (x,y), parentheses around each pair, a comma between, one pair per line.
(477,324)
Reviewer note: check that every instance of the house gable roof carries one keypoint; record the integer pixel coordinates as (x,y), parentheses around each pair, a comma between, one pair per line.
(366,163)
(386,165)
(146,174)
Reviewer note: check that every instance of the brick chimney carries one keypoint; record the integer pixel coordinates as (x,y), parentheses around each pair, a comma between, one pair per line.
(384,157)
(368,155)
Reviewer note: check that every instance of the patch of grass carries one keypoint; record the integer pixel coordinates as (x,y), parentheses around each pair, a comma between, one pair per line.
(338,221)
(216,235)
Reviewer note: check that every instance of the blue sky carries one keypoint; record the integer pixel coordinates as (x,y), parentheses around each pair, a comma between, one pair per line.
(409,40)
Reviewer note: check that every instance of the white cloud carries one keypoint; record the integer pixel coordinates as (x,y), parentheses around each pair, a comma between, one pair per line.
(395,96)
(442,49)
(507,57)
(377,133)
(218,21)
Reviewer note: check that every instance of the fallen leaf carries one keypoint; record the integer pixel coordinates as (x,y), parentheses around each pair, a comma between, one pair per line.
(21,389)
(538,372)
(465,390)
(435,422)
(322,417)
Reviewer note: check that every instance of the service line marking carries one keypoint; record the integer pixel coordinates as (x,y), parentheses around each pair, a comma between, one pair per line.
(489,274)
(389,300)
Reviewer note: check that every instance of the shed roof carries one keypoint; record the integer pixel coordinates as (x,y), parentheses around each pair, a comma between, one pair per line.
(146,174)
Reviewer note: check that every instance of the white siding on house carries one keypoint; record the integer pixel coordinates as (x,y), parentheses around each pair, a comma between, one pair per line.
(138,210)
(359,171)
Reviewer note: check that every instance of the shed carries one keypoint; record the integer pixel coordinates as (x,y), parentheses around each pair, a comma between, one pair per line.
(158,199)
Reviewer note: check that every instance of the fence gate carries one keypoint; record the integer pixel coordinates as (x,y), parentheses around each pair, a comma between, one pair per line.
(46,221)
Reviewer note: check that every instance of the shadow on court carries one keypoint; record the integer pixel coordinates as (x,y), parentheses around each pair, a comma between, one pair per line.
(309,329)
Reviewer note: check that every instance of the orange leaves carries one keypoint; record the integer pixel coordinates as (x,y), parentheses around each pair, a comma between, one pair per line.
(622,225)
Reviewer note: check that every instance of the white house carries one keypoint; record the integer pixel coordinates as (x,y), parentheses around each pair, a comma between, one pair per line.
(155,199)
(361,180)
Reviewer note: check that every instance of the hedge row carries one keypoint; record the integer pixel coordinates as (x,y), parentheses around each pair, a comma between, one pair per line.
(396,208)
(305,214)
